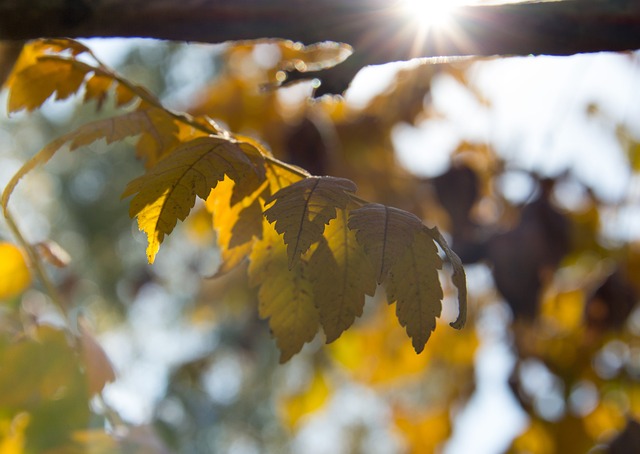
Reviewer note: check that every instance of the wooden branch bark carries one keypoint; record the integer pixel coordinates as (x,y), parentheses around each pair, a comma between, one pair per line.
(377,26)
(377,29)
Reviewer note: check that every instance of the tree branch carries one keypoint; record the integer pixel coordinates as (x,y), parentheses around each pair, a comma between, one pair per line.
(378,30)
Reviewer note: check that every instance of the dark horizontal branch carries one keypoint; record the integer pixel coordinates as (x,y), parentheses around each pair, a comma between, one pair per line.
(377,29)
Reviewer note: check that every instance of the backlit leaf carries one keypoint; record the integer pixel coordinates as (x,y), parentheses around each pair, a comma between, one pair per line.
(167,192)
(385,233)
(124,95)
(236,225)
(414,286)
(341,276)
(96,88)
(111,129)
(35,84)
(14,272)
(33,50)
(285,295)
(160,138)
(302,210)
(459,277)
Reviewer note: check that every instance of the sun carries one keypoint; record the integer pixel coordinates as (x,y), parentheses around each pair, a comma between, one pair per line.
(430,14)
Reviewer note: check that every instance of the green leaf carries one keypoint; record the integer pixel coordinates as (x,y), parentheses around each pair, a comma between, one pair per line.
(302,210)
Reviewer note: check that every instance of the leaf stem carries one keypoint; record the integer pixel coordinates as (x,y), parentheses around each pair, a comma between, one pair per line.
(37,265)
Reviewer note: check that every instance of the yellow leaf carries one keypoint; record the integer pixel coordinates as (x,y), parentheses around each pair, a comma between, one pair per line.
(35,49)
(124,95)
(167,192)
(15,277)
(341,276)
(375,352)
(160,136)
(235,228)
(285,295)
(294,407)
(423,430)
(12,434)
(32,86)
(111,129)
(536,439)
(605,420)
(564,309)
(385,233)
(96,88)
(414,286)
(237,223)
(280,177)
(302,210)
(633,153)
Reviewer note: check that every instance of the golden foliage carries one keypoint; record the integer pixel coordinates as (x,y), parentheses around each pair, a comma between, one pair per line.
(332,246)
(415,288)
(285,293)
(301,210)
(341,277)
(15,276)
(168,191)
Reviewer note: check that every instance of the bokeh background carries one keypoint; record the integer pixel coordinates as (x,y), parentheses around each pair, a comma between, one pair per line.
(528,165)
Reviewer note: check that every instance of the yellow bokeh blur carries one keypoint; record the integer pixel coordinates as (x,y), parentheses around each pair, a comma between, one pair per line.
(15,277)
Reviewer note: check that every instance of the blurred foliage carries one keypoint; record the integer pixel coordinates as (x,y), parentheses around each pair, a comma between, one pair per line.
(573,328)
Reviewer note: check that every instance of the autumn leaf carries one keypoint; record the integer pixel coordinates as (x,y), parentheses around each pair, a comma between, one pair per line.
(33,50)
(96,88)
(293,408)
(301,211)
(280,177)
(111,129)
(459,277)
(35,84)
(167,192)
(341,276)
(385,233)
(14,272)
(414,286)
(160,137)
(285,294)
(236,224)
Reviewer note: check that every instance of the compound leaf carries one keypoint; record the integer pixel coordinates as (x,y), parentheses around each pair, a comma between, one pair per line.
(285,294)
(167,192)
(385,233)
(414,286)
(236,225)
(341,276)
